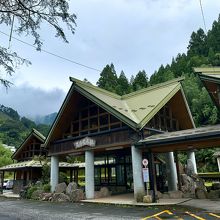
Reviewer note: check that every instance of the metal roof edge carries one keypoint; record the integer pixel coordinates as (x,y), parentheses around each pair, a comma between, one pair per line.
(159,106)
(58,115)
(177,139)
(208,69)
(111,94)
(187,107)
(209,78)
(39,135)
(33,132)
(156,86)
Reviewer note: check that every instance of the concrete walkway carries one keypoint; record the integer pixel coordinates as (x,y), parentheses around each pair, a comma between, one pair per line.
(9,194)
(206,204)
(128,199)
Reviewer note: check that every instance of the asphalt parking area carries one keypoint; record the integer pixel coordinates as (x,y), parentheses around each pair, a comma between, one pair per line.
(12,209)
(167,214)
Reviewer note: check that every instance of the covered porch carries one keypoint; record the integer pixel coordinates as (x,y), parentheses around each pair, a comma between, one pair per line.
(173,143)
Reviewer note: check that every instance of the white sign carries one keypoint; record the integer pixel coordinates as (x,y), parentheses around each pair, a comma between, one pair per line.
(145,175)
(145,162)
(84,142)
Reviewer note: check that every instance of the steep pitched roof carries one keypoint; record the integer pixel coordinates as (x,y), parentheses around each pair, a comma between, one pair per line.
(196,138)
(208,72)
(210,77)
(33,133)
(134,109)
(34,164)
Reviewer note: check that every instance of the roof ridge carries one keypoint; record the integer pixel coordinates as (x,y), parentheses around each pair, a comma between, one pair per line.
(207,69)
(130,112)
(38,133)
(33,131)
(156,86)
(114,95)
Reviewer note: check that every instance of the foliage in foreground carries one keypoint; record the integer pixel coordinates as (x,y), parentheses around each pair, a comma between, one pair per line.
(27,18)
(5,156)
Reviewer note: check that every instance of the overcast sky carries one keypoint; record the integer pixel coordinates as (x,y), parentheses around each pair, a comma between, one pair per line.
(132,34)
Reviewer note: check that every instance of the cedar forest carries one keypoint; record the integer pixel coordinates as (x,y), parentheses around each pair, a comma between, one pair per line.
(203,50)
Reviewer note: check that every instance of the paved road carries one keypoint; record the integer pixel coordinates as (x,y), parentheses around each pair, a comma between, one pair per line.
(35,210)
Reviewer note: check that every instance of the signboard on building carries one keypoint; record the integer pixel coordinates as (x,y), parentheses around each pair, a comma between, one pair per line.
(84,142)
(146,175)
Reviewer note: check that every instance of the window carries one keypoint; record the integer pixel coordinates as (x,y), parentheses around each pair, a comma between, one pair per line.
(84,113)
(84,125)
(104,120)
(75,126)
(93,123)
(113,119)
(93,111)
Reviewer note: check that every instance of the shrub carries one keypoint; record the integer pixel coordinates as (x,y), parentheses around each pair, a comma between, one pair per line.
(46,187)
(30,191)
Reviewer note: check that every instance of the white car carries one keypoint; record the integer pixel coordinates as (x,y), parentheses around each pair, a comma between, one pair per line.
(9,184)
(4,184)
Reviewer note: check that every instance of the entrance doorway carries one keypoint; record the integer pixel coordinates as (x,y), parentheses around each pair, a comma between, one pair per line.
(115,172)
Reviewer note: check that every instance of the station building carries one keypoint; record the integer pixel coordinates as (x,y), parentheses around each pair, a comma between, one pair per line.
(27,166)
(101,126)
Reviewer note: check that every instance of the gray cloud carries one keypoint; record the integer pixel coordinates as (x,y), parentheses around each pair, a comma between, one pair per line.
(30,101)
(133,34)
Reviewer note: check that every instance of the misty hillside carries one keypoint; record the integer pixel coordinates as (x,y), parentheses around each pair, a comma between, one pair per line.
(14,128)
(47,119)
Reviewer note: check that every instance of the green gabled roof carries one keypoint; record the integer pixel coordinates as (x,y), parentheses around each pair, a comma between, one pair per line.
(210,76)
(208,73)
(38,135)
(33,133)
(134,109)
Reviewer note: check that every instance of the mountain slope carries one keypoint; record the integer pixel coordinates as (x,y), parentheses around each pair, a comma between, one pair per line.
(14,129)
(47,119)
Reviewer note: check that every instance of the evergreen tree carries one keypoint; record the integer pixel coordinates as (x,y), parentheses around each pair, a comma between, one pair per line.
(5,156)
(213,36)
(108,78)
(140,81)
(131,83)
(179,65)
(198,44)
(123,85)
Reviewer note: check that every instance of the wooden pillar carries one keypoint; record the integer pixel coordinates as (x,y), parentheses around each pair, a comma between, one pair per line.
(75,173)
(2,178)
(77,176)
(178,170)
(31,177)
(152,176)
(71,174)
